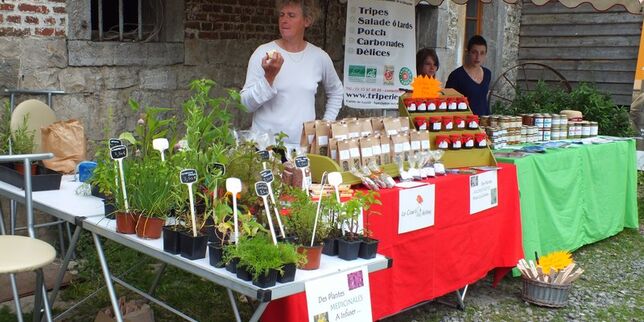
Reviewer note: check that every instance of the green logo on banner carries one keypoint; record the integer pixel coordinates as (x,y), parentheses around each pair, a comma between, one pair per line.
(405,76)
(357,73)
(371,74)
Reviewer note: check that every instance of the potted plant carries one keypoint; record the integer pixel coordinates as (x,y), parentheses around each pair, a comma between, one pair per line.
(259,259)
(300,222)
(334,210)
(22,142)
(219,234)
(291,259)
(349,244)
(151,195)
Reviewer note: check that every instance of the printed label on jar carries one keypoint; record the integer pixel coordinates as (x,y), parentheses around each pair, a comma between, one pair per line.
(431,107)
(456,145)
(443,145)
(442,106)
(448,126)
(460,124)
(436,126)
(412,107)
(469,143)
(422,107)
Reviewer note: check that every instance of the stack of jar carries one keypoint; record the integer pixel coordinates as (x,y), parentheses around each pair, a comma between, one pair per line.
(550,126)
(441,104)
(582,129)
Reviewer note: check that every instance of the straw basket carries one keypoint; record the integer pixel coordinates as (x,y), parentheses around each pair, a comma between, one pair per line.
(545,294)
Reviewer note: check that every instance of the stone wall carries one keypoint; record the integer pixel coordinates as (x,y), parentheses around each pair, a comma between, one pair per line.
(29,18)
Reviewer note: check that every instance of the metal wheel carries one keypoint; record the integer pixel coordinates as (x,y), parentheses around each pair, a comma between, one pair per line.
(525,76)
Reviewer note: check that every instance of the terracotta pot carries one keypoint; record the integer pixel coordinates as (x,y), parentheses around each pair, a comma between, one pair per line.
(149,227)
(313,256)
(126,222)
(20,168)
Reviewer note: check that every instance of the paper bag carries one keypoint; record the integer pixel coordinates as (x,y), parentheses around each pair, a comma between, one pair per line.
(66,140)
(132,311)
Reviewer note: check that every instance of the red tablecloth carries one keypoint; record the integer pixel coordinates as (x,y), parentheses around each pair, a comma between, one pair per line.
(458,250)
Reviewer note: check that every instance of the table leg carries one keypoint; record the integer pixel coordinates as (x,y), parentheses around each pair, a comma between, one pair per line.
(234,305)
(63,268)
(157,278)
(108,278)
(258,312)
(460,297)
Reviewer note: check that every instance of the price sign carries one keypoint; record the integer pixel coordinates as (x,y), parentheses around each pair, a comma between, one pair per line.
(115,142)
(301,162)
(218,167)
(118,152)
(188,176)
(267,175)
(263,155)
(261,188)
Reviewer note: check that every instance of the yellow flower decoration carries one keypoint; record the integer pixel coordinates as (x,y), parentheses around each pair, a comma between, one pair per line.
(556,261)
(425,87)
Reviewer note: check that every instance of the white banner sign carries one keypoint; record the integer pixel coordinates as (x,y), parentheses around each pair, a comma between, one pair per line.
(341,297)
(380,52)
(484,192)
(416,208)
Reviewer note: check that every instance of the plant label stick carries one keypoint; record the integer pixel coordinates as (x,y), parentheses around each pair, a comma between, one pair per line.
(261,188)
(188,177)
(160,144)
(234,186)
(302,162)
(317,212)
(118,153)
(335,179)
(267,176)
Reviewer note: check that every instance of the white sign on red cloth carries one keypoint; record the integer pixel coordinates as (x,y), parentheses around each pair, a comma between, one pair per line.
(416,208)
(484,192)
(380,52)
(340,297)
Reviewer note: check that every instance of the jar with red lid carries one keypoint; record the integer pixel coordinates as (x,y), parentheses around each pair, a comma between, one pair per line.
(448,123)
(421,122)
(456,141)
(467,140)
(441,104)
(410,104)
(442,142)
(421,106)
(435,123)
(472,122)
(452,105)
(431,105)
(462,104)
(459,122)
(480,140)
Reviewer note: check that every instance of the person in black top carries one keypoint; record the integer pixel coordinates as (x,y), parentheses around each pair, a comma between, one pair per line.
(427,62)
(472,79)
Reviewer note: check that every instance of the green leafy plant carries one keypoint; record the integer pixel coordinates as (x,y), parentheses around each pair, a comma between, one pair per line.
(150,126)
(301,219)
(361,201)
(5,127)
(257,254)
(152,188)
(586,98)
(22,139)
(289,255)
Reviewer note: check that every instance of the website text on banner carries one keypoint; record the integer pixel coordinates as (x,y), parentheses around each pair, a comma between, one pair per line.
(379,56)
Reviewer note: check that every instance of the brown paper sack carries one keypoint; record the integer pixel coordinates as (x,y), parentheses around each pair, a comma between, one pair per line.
(66,140)
(132,311)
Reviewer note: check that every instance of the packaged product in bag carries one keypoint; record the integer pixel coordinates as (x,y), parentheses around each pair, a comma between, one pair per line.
(354,151)
(322,132)
(366,150)
(404,123)
(308,135)
(376,124)
(392,125)
(344,155)
(333,149)
(365,127)
(385,149)
(377,150)
(355,127)
(424,140)
(339,131)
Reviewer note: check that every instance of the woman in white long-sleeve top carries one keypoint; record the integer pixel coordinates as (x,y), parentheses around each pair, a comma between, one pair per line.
(283,76)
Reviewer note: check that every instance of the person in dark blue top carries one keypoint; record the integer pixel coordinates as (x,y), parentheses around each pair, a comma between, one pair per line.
(472,79)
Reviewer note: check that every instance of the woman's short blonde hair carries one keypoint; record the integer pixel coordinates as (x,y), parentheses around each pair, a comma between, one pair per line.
(310,8)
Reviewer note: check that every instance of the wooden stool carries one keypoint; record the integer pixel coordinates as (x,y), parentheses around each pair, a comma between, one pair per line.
(24,254)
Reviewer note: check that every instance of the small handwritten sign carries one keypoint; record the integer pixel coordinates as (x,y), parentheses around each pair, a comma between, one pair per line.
(118,152)
(261,188)
(267,175)
(188,176)
(263,155)
(301,162)
(115,142)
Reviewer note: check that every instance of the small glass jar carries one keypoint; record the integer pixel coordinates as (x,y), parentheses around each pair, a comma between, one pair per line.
(472,122)
(527,119)
(421,122)
(442,142)
(422,106)
(594,128)
(494,121)
(448,123)
(538,120)
(431,105)
(480,140)
(547,121)
(467,140)
(459,122)
(410,104)
(435,124)
(485,121)
(571,131)
(456,141)
(462,104)
(585,130)
(547,134)
(563,119)
(442,105)
(452,105)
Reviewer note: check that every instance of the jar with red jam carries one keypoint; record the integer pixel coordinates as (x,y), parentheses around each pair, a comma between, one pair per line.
(472,122)
(459,122)
(421,122)
(467,140)
(441,104)
(448,123)
(410,103)
(452,105)
(435,124)
(462,104)
(456,141)
(480,140)
(442,142)
(431,105)
(422,106)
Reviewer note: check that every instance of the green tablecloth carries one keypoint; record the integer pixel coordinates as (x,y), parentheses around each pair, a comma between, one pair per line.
(576,196)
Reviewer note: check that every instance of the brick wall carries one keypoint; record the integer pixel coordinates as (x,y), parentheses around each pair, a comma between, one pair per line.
(33,18)
(231,19)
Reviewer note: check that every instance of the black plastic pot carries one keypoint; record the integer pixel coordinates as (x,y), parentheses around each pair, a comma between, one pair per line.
(268,279)
(330,247)
(171,240)
(232,265)
(243,273)
(192,247)
(368,248)
(288,273)
(348,249)
(216,254)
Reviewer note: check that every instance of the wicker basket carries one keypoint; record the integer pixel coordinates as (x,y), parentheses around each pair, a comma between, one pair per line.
(545,294)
